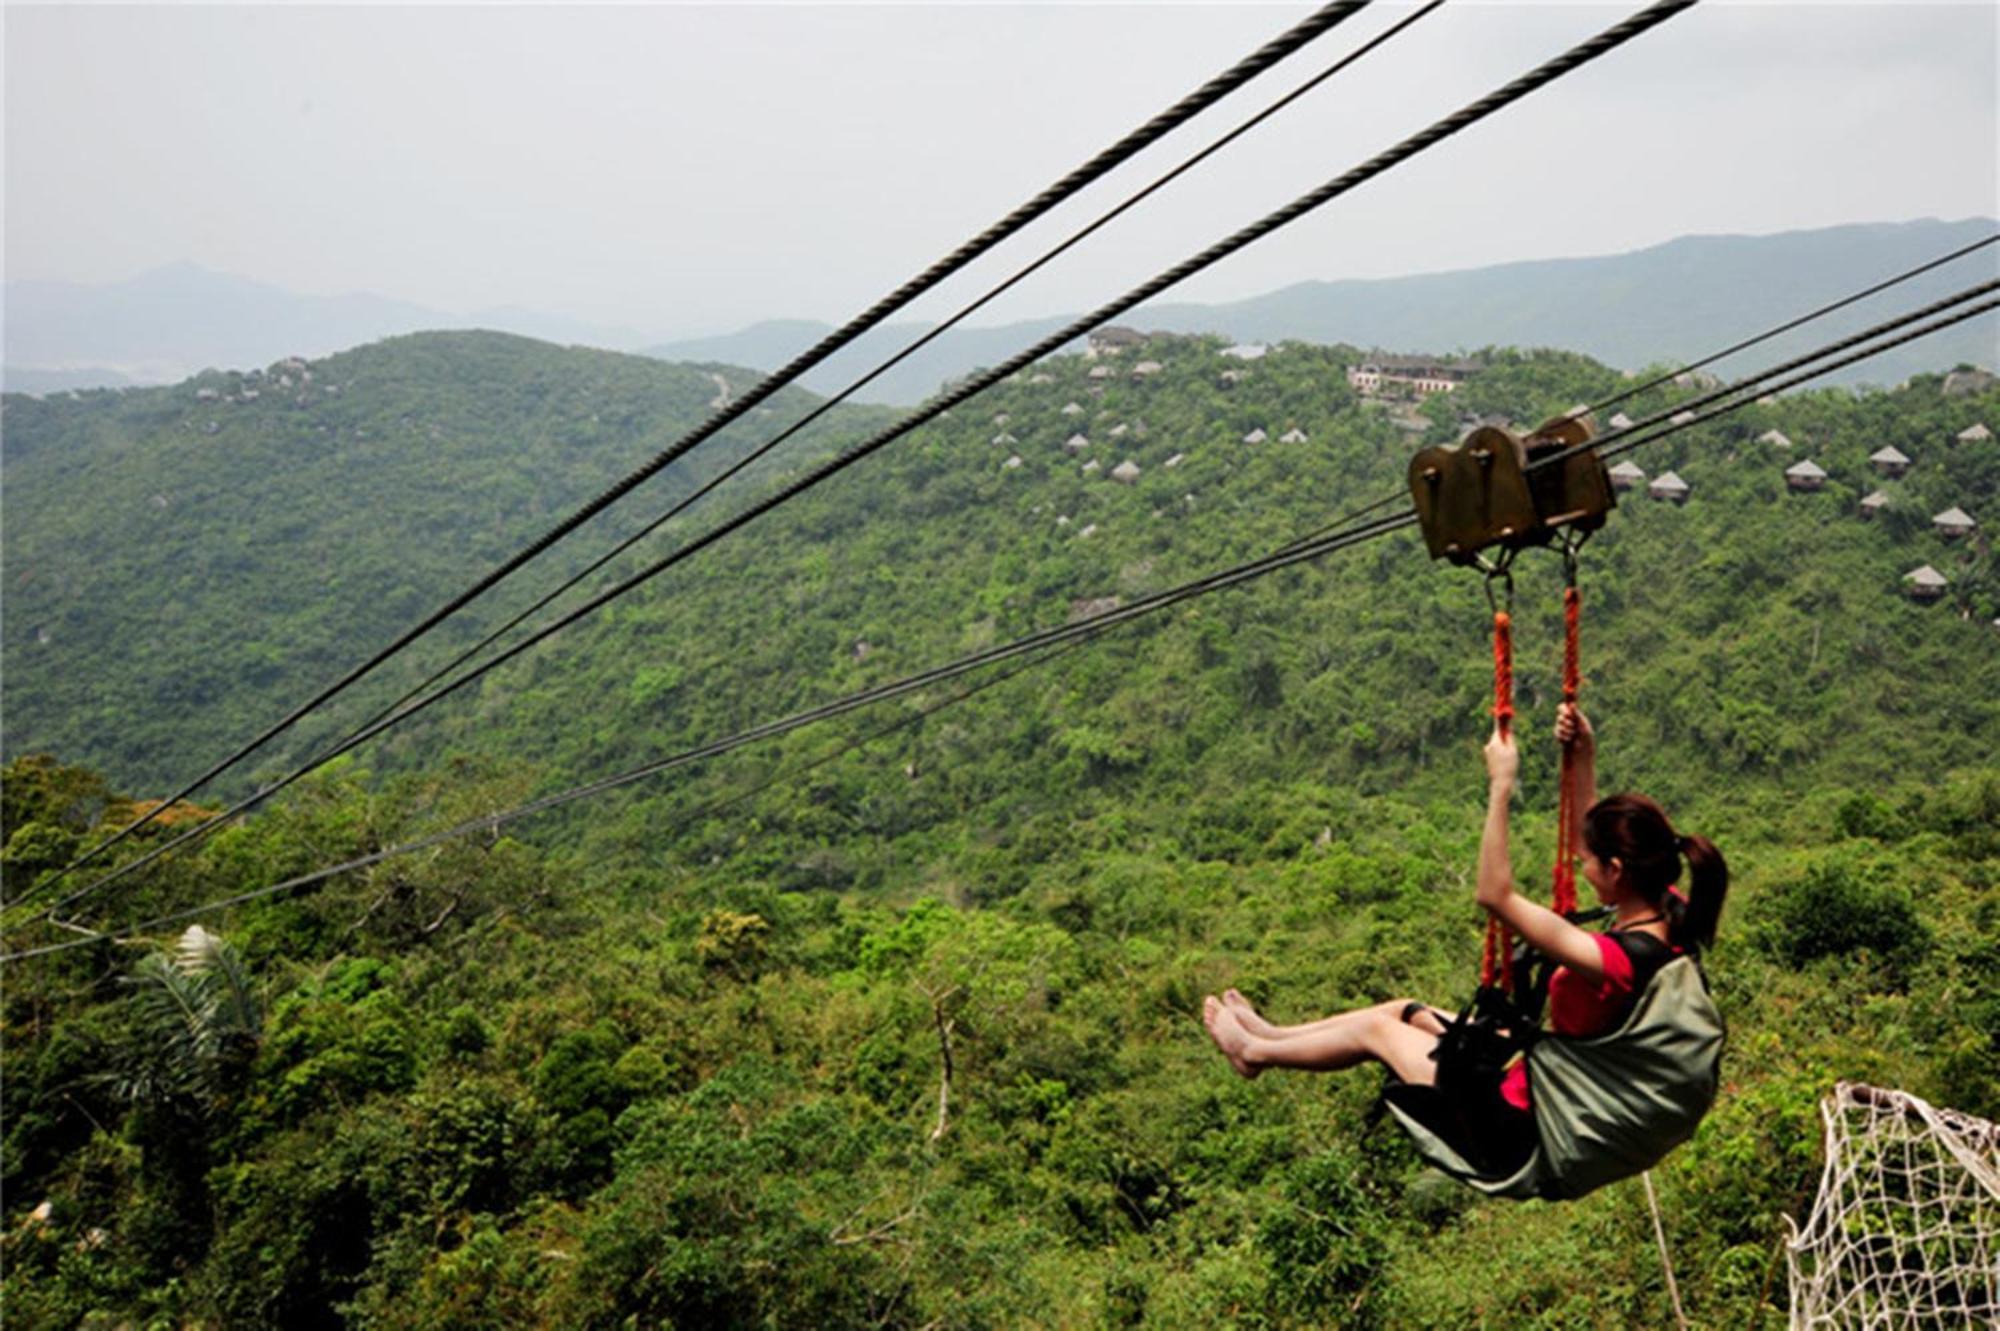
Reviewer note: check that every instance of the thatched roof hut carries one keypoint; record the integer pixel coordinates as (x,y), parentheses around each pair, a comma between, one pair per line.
(1805,476)
(1670,487)
(1889,460)
(1953,522)
(1925,583)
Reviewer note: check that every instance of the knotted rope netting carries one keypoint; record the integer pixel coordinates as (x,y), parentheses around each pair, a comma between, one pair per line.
(1905,1231)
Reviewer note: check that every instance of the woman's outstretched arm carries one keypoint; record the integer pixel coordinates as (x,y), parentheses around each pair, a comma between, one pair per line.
(1573,730)
(1545,930)
(1496,868)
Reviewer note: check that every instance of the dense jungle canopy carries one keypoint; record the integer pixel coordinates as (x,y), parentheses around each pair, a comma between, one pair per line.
(675,1057)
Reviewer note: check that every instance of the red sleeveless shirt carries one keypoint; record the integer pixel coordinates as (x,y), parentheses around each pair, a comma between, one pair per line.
(1579,1005)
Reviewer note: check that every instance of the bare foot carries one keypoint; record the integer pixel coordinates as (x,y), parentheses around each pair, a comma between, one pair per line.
(1229,1037)
(1247,1016)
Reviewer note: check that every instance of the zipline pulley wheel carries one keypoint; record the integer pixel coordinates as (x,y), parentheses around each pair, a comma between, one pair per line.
(1481,492)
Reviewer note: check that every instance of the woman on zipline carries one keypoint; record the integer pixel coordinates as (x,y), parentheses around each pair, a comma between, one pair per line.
(1630,854)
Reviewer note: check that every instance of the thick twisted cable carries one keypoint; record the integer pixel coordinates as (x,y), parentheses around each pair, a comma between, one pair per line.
(1613,444)
(1284,558)
(1577,56)
(993,293)
(866,697)
(1174,116)
(1789,325)
(1712,357)
(1616,442)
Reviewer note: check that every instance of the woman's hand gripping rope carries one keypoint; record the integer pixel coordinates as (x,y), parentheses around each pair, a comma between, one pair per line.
(1503,759)
(1573,728)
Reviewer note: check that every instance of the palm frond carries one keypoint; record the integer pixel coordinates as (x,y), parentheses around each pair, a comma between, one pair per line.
(195,1021)
(234,1007)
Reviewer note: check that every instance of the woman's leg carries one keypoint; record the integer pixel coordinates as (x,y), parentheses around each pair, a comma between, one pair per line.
(1339,1041)
(1426,1018)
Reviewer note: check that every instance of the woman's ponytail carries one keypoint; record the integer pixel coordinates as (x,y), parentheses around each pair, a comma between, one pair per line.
(1708,885)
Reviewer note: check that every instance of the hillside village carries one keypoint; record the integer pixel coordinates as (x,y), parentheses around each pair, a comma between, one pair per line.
(1400,384)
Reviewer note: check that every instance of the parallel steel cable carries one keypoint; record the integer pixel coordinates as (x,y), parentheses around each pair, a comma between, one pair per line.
(1544,74)
(1608,445)
(486,822)
(993,293)
(1347,518)
(1789,325)
(1237,575)
(1714,356)
(1351,516)
(1616,442)
(1058,641)
(712,807)
(1972,312)
(1174,116)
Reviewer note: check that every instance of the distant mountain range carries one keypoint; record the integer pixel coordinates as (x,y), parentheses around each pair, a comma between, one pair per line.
(164,325)
(1670,302)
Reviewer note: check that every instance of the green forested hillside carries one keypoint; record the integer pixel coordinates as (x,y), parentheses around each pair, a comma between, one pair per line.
(185,563)
(913,1039)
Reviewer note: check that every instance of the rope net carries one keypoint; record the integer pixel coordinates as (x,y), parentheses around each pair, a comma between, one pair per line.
(1905,1231)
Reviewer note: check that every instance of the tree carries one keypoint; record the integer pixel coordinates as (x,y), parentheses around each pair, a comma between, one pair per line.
(196,1025)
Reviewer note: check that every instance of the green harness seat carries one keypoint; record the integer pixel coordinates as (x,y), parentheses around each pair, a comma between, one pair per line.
(1605,1106)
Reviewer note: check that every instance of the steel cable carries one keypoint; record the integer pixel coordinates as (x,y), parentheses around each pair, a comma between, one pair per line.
(1609,445)
(1621,439)
(1287,556)
(1789,325)
(965,312)
(1539,77)
(1182,111)
(1712,357)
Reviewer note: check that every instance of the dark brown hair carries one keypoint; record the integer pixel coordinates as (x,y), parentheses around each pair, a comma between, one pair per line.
(1634,831)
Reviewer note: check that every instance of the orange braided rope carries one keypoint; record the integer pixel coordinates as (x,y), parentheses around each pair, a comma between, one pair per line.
(1563,896)
(1493,961)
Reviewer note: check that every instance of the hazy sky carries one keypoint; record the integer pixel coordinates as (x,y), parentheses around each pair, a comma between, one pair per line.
(691,168)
